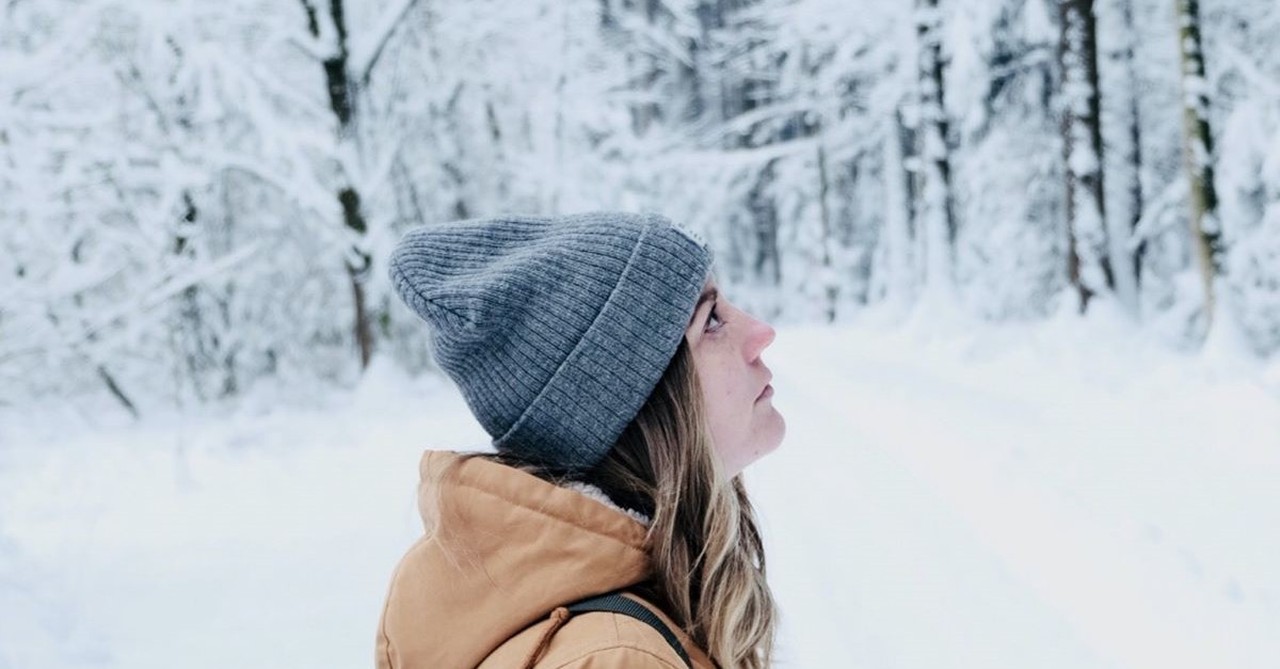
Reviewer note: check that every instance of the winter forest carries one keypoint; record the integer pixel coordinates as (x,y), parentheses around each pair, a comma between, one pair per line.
(195,196)
(1009,245)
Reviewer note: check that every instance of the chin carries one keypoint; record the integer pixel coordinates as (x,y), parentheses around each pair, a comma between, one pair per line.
(769,444)
(777,431)
(772,445)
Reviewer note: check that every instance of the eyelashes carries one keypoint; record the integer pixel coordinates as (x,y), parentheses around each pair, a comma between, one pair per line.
(713,317)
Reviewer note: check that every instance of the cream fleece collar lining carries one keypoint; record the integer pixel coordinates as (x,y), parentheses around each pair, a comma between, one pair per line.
(599,495)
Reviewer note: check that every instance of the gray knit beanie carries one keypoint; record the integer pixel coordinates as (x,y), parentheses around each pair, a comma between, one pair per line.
(556,329)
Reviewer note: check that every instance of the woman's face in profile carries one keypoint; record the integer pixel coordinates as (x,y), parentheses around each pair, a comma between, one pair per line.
(726,343)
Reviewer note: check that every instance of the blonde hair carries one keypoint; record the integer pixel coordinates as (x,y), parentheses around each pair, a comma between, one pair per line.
(703,541)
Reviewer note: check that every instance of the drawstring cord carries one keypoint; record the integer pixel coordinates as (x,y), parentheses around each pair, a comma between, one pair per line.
(558,618)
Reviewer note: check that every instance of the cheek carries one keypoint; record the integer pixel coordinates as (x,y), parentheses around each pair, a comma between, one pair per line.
(728,403)
(721,403)
(728,398)
(721,392)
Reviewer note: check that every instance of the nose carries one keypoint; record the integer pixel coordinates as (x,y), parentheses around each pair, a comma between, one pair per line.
(759,336)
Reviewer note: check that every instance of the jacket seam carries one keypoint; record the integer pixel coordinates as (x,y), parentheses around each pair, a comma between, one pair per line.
(466,484)
(617,646)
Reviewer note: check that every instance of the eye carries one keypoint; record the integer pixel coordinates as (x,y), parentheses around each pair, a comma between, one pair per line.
(713,320)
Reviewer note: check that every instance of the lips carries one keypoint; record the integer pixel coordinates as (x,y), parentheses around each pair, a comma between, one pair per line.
(767,391)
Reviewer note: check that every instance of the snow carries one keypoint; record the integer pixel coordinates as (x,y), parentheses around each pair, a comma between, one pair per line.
(1067,494)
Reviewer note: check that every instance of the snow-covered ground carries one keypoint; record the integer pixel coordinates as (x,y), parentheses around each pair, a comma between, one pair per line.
(1066,495)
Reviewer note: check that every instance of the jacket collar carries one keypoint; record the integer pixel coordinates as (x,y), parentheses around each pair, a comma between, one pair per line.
(502,549)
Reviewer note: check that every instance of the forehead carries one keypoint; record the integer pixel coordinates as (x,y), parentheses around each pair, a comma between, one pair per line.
(709,293)
(709,286)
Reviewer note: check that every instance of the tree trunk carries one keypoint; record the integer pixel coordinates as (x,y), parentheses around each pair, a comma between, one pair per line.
(764,215)
(645,69)
(190,317)
(100,367)
(1088,259)
(1134,157)
(358,264)
(1197,143)
(908,161)
(937,218)
(831,288)
(342,89)
(899,194)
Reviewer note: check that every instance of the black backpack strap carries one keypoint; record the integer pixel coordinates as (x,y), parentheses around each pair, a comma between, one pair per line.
(616,603)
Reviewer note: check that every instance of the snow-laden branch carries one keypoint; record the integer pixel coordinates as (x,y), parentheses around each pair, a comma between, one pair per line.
(313,200)
(312,48)
(56,59)
(1250,70)
(746,121)
(62,119)
(366,53)
(656,41)
(160,293)
(1155,215)
(320,44)
(862,137)
(271,85)
(372,180)
(737,158)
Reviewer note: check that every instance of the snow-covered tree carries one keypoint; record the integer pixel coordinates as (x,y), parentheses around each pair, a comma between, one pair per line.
(1125,162)
(1197,142)
(1088,254)
(198,198)
(937,216)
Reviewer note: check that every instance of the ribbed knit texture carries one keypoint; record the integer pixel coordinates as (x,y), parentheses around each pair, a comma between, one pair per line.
(556,329)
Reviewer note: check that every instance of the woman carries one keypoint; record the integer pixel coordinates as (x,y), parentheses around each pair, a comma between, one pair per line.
(624,395)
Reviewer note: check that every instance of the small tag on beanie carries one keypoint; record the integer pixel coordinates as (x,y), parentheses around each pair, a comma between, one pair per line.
(689,233)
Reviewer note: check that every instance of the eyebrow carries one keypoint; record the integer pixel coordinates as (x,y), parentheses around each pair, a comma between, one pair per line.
(707,295)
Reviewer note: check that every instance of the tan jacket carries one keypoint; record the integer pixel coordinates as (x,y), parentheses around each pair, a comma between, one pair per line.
(486,584)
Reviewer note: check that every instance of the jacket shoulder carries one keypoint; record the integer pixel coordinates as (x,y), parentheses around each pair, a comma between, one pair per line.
(595,640)
(614,657)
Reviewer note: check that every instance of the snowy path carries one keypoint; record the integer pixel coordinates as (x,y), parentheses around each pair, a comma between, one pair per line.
(1008,524)
(932,507)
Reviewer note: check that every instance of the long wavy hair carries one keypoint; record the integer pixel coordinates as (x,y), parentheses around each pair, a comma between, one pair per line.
(703,541)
